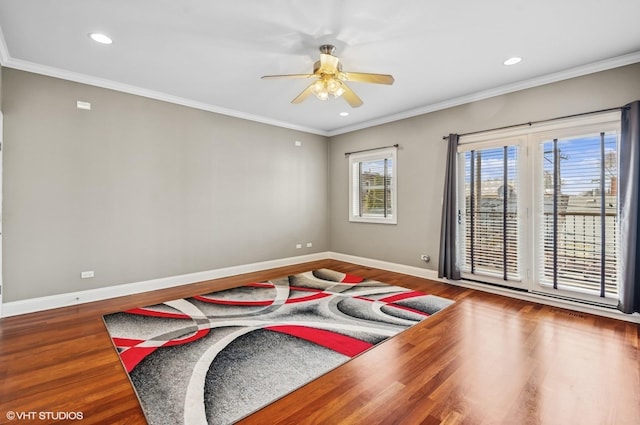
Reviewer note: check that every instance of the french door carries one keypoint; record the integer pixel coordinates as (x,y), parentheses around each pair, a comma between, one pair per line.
(490,213)
(538,210)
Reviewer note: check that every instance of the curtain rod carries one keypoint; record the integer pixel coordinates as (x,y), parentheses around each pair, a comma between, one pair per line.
(372,149)
(530,123)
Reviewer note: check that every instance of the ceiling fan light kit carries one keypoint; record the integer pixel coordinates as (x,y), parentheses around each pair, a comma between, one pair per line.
(330,79)
(327,86)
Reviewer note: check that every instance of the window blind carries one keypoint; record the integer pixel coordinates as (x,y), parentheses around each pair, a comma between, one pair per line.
(374,182)
(578,204)
(491,213)
(373,186)
(538,208)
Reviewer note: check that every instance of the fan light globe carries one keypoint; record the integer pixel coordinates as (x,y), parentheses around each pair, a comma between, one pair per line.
(319,89)
(327,86)
(339,91)
(318,86)
(332,86)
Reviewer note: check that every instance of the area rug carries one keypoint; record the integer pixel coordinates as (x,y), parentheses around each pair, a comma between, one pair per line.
(218,357)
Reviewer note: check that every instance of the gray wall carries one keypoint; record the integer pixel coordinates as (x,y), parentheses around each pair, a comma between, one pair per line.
(421,159)
(138,189)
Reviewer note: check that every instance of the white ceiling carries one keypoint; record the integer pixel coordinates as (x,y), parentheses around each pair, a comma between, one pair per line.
(211,54)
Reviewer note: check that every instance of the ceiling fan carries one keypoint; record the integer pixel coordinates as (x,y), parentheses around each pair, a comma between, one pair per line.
(330,79)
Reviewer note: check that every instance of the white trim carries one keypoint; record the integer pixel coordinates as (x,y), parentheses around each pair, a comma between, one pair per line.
(524,296)
(354,177)
(4,50)
(529,138)
(151,94)
(15,308)
(560,127)
(385,265)
(579,71)
(603,65)
(611,313)
(64,300)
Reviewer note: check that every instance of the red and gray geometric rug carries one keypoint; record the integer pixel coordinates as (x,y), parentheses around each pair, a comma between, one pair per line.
(218,357)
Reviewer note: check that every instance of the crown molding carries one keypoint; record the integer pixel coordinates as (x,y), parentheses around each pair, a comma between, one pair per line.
(4,50)
(138,91)
(579,71)
(603,65)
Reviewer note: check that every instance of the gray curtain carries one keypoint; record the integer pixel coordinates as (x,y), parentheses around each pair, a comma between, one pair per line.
(629,186)
(447,264)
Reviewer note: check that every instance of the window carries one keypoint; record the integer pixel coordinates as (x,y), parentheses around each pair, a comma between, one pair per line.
(372,189)
(538,208)
(491,237)
(577,206)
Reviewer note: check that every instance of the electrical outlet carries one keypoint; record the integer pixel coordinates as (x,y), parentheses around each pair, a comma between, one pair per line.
(87,274)
(309,244)
(298,245)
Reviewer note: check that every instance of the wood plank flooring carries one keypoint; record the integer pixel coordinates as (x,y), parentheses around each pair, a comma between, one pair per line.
(485,360)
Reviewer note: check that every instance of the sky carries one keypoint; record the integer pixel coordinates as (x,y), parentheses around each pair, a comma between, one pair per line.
(580,160)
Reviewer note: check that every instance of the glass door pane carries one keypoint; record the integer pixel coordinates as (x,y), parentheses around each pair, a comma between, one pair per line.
(577,216)
(489,215)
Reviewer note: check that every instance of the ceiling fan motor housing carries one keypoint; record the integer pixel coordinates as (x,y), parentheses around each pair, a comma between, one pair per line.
(327,49)
(317,65)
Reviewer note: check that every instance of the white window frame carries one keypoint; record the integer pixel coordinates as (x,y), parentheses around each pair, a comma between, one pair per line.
(604,122)
(529,138)
(354,202)
(523,194)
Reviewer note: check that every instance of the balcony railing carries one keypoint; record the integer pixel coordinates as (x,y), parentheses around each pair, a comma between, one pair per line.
(584,260)
(579,254)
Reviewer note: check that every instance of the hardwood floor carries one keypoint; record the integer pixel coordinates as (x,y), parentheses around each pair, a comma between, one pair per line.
(485,360)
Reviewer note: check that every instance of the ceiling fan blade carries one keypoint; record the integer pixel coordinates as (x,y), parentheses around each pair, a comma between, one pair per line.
(288,76)
(350,96)
(363,77)
(303,95)
(328,64)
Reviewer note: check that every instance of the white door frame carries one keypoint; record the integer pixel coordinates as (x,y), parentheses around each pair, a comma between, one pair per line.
(1,172)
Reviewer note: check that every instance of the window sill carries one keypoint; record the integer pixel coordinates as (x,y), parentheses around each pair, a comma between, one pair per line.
(373,220)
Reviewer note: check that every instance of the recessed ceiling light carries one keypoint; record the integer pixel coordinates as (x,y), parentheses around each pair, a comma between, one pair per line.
(512,61)
(344,114)
(100,38)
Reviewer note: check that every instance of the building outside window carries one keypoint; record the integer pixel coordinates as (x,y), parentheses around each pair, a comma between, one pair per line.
(372,189)
(538,209)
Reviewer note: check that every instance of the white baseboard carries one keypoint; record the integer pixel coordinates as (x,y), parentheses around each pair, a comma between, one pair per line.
(385,265)
(525,296)
(15,308)
(32,305)
(546,300)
